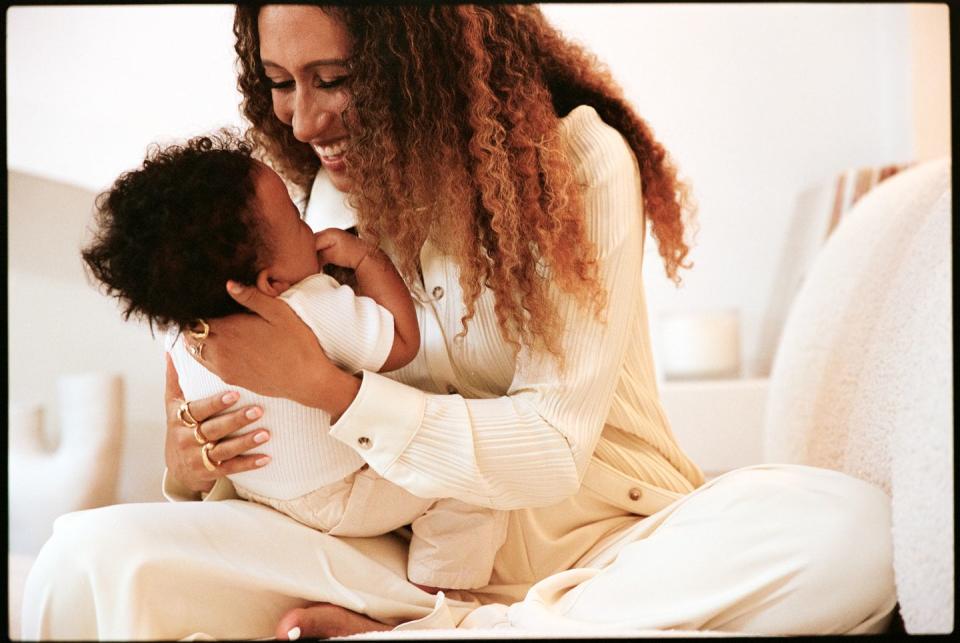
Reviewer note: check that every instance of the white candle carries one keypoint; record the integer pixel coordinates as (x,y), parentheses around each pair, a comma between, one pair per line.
(700,345)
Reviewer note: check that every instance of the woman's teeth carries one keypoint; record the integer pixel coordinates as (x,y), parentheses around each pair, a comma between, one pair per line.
(336,149)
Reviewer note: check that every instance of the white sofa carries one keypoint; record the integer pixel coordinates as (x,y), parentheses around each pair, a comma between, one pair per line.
(862,381)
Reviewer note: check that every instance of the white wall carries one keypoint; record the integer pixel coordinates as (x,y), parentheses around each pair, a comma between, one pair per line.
(930,67)
(755,102)
(59,324)
(89,87)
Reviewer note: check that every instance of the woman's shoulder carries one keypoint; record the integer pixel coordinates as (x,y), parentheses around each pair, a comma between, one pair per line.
(596,149)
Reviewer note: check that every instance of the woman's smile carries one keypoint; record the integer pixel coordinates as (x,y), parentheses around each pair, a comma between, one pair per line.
(331,154)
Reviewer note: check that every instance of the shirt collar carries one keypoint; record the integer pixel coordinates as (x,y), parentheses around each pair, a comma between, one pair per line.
(327,206)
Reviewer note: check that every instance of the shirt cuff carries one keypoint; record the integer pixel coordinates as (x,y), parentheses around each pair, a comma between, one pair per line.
(174,491)
(382,420)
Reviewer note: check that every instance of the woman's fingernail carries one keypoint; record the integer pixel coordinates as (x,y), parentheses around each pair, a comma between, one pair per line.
(261,436)
(230,398)
(293,634)
(234,287)
(253,413)
(260,462)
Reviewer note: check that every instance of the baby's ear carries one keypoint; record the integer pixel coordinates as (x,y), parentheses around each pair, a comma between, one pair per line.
(268,285)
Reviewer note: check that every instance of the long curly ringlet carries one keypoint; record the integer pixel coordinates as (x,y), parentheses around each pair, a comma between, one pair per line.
(453,121)
(173,231)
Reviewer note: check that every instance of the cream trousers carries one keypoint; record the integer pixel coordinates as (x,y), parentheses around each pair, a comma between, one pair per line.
(771,549)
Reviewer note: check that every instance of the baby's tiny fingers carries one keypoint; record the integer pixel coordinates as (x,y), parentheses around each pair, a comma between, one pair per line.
(322,240)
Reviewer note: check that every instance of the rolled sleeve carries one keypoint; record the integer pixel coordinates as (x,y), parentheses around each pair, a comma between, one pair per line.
(382,420)
(174,491)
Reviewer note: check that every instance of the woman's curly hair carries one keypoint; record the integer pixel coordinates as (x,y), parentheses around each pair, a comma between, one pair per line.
(454,129)
(173,231)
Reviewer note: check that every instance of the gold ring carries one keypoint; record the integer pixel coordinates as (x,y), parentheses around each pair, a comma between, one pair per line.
(184,415)
(205,455)
(199,436)
(197,350)
(203,334)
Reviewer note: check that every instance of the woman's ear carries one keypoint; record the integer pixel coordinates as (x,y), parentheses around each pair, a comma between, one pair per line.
(268,285)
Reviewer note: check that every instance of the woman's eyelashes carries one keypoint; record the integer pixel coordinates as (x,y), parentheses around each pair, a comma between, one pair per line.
(278,84)
(319,83)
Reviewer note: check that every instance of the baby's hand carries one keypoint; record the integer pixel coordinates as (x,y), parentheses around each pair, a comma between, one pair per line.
(340,248)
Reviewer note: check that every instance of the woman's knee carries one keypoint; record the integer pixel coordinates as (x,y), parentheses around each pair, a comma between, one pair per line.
(836,523)
(100,537)
(83,546)
(819,541)
(856,533)
(845,552)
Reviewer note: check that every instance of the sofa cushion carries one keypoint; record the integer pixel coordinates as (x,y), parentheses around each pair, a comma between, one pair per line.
(918,351)
(861,380)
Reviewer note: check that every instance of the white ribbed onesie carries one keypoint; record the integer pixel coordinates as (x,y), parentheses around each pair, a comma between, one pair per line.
(314,478)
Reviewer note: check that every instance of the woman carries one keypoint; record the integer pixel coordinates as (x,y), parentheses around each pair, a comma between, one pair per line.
(502,170)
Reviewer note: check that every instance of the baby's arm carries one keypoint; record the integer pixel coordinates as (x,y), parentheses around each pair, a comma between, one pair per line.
(378,279)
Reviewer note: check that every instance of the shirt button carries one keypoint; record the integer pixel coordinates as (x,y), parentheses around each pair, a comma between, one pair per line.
(364,442)
(437,292)
(634,494)
(451,389)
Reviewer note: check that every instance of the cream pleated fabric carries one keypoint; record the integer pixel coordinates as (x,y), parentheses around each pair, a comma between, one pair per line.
(474,419)
(578,457)
(778,549)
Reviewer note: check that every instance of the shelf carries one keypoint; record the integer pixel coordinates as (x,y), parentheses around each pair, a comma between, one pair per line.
(719,423)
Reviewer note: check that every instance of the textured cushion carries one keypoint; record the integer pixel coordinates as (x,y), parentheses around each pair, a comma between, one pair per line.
(921,378)
(863,374)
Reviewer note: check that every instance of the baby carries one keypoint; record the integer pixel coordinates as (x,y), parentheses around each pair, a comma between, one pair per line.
(170,235)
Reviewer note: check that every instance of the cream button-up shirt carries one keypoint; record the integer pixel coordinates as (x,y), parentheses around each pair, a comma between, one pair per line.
(472,419)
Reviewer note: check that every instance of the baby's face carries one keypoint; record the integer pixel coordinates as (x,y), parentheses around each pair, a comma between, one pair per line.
(291,239)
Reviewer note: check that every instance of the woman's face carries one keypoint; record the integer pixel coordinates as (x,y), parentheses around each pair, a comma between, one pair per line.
(304,52)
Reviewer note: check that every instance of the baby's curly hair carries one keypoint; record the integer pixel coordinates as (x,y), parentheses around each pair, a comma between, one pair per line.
(173,231)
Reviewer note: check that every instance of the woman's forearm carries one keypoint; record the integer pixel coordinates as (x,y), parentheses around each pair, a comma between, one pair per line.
(331,389)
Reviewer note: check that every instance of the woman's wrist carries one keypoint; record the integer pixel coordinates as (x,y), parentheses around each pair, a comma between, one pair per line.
(344,395)
(333,390)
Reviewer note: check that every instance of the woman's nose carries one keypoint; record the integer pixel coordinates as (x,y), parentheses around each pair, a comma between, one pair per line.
(309,119)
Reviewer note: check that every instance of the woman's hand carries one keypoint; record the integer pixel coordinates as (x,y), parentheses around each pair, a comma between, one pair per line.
(182,451)
(272,352)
